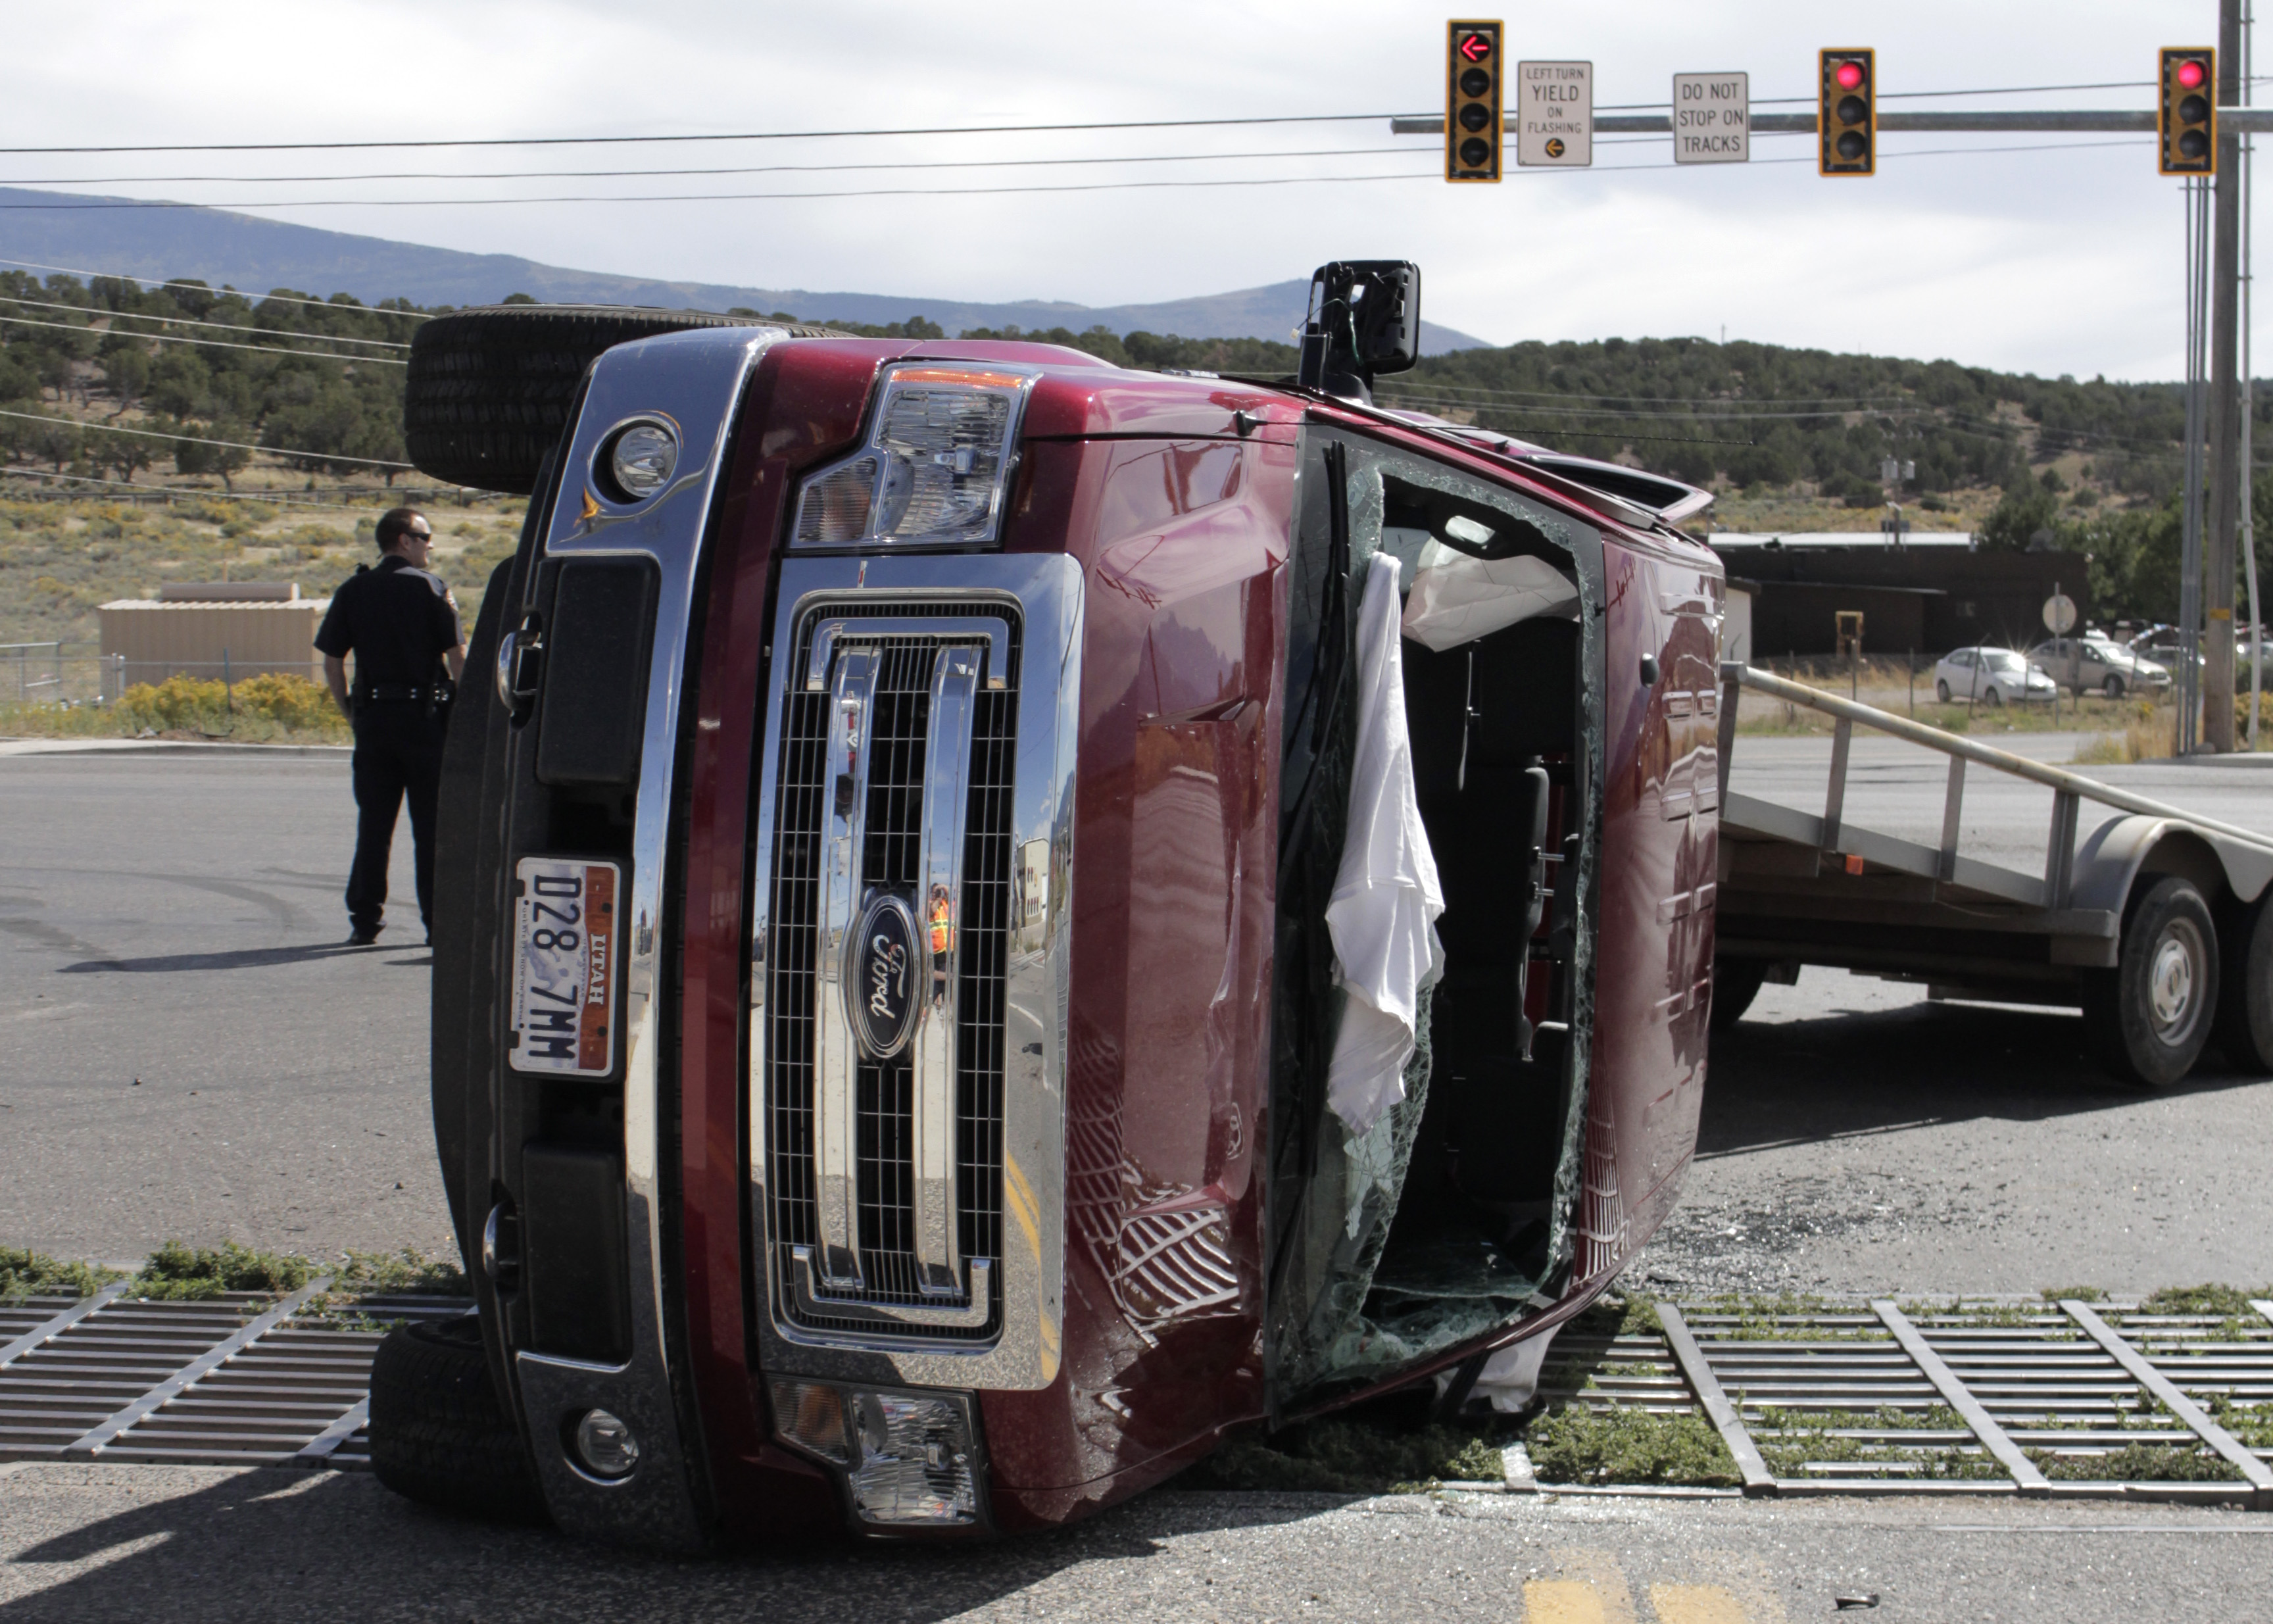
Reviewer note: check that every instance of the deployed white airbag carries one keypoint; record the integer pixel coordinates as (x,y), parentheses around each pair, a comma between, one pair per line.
(1386,900)
(1458,599)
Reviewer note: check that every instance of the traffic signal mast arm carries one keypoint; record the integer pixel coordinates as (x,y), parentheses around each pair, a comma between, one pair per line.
(2231,120)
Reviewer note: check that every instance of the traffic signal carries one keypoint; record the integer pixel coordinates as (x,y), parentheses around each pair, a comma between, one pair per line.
(2186,111)
(1472,100)
(1847,112)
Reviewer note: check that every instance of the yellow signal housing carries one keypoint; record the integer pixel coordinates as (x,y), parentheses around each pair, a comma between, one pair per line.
(1473,121)
(1847,112)
(2186,111)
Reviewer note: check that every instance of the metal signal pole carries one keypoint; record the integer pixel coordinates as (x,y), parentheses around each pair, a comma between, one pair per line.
(2219,564)
(2189,675)
(2249,466)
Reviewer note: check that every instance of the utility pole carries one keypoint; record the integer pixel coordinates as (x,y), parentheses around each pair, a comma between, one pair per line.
(2219,560)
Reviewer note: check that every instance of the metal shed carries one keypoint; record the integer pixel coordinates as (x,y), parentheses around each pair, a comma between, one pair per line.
(206,629)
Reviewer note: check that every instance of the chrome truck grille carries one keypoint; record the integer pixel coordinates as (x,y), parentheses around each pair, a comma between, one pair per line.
(896,760)
(912,859)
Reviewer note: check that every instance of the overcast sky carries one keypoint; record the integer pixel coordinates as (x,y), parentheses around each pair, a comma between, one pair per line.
(2049,261)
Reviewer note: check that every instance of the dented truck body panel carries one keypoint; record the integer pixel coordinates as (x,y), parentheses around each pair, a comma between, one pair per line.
(1143,554)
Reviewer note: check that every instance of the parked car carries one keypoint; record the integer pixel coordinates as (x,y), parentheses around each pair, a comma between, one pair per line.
(1990,677)
(2095,662)
(885,1032)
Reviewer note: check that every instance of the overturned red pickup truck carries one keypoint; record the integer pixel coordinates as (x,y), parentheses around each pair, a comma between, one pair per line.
(1004,920)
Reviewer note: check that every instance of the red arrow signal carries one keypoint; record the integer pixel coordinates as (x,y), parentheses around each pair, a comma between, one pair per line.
(1475,47)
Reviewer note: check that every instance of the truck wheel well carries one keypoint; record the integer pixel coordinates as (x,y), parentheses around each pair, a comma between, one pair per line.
(2190,858)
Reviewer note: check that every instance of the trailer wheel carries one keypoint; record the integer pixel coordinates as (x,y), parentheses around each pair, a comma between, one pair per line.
(2112,687)
(2245,1005)
(489,390)
(1735,983)
(2149,1016)
(438,1433)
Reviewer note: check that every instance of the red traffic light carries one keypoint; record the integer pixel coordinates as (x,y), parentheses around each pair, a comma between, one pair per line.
(2185,112)
(1850,75)
(1475,47)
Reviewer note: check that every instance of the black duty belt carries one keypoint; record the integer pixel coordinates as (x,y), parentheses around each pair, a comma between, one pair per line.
(397,692)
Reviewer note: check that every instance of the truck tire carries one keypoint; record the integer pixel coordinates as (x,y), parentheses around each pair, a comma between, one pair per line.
(2245,1005)
(438,1433)
(1735,983)
(489,390)
(2112,687)
(2149,1018)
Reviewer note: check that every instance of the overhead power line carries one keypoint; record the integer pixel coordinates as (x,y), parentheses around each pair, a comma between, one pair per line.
(933,130)
(977,192)
(98,313)
(755,135)
(765,169)
(210,343)
(254,299)
(281,498)
(202,439)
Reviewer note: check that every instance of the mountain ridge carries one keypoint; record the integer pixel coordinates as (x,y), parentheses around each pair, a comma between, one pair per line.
(88,234)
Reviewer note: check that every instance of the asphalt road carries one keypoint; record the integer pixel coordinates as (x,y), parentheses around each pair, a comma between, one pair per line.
(178,920)
(93,1544)
(1857,1138)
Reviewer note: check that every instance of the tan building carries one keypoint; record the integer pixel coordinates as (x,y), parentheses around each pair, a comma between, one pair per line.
(204,628)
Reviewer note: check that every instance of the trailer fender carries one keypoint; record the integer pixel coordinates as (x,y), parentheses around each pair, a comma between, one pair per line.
(2120,849)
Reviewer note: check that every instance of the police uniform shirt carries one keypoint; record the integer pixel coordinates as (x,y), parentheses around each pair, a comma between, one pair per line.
(398,619)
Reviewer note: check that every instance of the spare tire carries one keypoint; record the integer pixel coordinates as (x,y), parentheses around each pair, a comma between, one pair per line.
(438,1434)
(490,389)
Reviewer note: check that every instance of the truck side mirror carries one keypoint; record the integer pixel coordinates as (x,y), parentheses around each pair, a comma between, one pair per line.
(1364,321)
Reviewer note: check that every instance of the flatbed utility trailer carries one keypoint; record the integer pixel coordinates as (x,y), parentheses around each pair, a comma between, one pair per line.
(2155,925)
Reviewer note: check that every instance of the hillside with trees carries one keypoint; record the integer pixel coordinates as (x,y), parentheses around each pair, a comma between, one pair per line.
(110,381)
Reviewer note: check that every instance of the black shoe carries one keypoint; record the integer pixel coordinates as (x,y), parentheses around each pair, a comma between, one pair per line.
(362,935)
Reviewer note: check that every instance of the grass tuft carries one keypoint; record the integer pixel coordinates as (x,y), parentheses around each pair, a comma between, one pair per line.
(24,1272)
(408,1270)
(2227,1302)
(1576,1445)
(180,1273)
(1352,1457)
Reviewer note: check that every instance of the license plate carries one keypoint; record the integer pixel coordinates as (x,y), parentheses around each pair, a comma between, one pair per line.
(565,933)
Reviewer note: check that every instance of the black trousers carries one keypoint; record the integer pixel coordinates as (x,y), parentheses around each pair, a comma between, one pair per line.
(398,756)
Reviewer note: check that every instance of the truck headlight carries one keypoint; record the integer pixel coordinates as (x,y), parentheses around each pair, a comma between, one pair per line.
(604,1446)
(935,468)
(910,1459)
(637,459)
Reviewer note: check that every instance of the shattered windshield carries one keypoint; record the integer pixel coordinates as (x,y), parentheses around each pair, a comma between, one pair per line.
(1450,1213)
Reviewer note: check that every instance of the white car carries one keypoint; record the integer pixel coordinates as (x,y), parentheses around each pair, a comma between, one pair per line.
(1990,677)
(2095,662)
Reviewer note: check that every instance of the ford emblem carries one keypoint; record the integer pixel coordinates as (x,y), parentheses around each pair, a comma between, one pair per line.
(880,975)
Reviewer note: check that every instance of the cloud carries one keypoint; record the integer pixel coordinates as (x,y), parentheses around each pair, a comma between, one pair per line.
(2045,261)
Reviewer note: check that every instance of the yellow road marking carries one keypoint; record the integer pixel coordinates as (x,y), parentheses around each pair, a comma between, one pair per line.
(1562,1601)
(1696,1604)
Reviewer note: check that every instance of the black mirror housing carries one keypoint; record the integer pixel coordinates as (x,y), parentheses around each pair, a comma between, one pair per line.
(1364,321)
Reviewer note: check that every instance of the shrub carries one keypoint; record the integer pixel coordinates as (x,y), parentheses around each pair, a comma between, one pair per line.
(283,702)
(289,701)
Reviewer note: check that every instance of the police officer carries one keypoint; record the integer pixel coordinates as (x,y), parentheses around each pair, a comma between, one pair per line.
(401,625)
